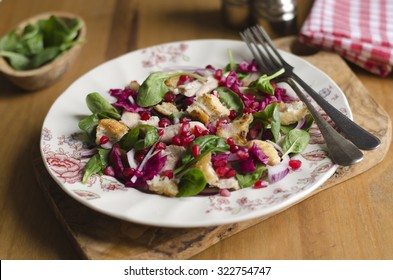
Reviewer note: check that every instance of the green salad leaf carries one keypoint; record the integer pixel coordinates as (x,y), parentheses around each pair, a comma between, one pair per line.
(263,82)
(295,141)
(249,179)
(270,118)
(231,100)
(153,89)
(192,182)
(39,43)
(95,164)
(139,138)
(207,144)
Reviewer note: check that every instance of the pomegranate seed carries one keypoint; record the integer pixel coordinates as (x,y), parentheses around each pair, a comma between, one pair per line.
(196,150)
(222,170)
(183,79)
(169,96)
(160,132)
(198,131)
(185,129)
(160,146)
(225,192)
(187,140)
(145,115)
(140,155)
(209,67)
(177,140)
(188,101)
(233,148)
(232,114)
(230,141)
(109,171)
(219,163)
(295,164)
(104,139)
(247,110)
(241,154)
(218,74)
(128,172)
(167,173)
(164,122)
(230,173)
(260,184)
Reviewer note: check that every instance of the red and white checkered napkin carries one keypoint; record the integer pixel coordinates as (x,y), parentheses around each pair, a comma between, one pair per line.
(359,30)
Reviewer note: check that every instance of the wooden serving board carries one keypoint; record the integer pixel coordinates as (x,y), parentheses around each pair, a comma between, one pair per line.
(98,236)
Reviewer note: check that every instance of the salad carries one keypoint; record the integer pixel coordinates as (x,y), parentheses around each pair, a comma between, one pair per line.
(197,132)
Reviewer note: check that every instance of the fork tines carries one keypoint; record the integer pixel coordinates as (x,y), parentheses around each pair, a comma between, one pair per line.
(262,49)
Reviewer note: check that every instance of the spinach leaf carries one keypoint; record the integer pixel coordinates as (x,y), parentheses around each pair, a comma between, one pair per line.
(99,105)
(249,179)
(270,118)
(207,144)
(191,183)
(263,82)
(89,125)
(295,141)
(46,55)
(95,164)
(16,60)
(39,43)
(139,138)
(231,100)
(153,89)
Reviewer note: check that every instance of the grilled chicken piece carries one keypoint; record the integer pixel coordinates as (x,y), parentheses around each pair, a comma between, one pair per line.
(172,130)
(237,130)
(163,185)
(205,165)
(228,183)
(174,154)
(292,112)
(134,119)
(197,87)
(208,108)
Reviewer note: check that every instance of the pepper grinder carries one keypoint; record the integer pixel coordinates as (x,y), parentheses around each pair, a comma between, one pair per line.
(279,15)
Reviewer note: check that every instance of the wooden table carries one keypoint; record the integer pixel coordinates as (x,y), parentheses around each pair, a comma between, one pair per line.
(352,220)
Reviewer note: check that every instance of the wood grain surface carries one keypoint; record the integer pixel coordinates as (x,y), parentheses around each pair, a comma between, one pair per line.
(352,220)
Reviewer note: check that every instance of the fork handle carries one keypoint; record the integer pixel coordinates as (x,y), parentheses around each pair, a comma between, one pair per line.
(341,150)
(360,137)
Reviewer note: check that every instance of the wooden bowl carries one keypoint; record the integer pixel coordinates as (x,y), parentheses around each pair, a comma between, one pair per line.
(47,74)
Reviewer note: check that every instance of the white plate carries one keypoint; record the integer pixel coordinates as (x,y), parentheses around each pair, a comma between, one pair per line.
(61,149)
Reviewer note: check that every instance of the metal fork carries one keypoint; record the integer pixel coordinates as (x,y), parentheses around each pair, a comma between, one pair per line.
(341,150)
(269,57)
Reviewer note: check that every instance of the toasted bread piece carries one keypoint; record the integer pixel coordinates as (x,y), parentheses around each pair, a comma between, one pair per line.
(166,108)
(110,128)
